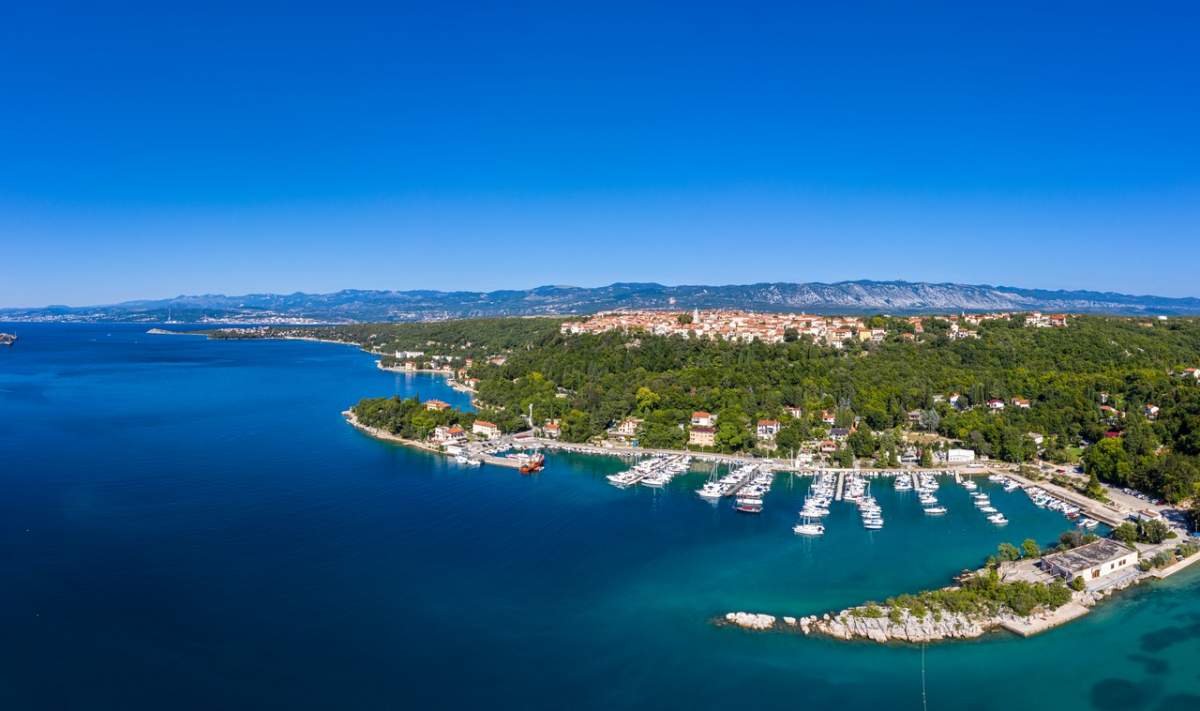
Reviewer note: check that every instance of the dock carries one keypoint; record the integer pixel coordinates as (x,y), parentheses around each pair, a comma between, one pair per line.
(1094,509)
(841,486)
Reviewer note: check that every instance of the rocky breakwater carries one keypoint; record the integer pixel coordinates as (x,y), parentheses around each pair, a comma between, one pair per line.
(896,625)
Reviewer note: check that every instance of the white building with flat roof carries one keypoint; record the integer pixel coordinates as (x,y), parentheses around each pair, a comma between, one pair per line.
(1092,561)
(960,456)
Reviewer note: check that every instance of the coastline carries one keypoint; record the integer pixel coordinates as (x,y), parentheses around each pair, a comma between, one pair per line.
(386,436)
(845,624)
(879,623)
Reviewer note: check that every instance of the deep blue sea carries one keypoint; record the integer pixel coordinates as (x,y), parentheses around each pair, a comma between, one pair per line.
(189,524)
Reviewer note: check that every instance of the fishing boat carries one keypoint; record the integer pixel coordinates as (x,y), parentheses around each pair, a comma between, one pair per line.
(533,463)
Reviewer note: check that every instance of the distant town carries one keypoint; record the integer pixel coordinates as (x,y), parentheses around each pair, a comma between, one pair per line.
(833,331)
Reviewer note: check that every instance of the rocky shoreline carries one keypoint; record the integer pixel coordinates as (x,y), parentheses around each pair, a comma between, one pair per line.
(883,624)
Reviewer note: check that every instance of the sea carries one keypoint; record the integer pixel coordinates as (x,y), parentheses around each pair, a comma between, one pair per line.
(191,524)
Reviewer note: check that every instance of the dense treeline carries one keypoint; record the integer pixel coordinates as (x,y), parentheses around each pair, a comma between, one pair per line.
(591,382)
(408,417)
(468,338)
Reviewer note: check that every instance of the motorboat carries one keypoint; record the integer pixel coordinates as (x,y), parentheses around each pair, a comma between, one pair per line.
(935,510)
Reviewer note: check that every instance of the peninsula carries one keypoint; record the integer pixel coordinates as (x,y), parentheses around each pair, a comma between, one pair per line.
(1093,416)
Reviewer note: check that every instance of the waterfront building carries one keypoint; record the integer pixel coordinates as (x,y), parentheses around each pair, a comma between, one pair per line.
(702,436)
(1091,561)
(436,405)
(485,429)
(960,456)
(703,419)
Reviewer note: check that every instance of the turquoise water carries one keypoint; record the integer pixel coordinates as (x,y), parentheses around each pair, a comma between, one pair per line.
(190,524)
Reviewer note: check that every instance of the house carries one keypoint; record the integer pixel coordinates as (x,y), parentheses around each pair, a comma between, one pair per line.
(953,399)
(839,434)
(551,429)
(410,365)
(1020,402)
(703,419)
(1110,411)
(914,417)
(628,427)
(471,383)
(702,436)
(767,429)
(446,434)
(1151,411)
(485,429)
(794,411)
(436,405)
(960,456)
(828,446)
(1037,438)
(995,405)
(1091,561)
(828,417)
(498,360)
(1193,373)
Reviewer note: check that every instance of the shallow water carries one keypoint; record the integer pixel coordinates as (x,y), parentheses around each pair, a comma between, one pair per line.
(190,524)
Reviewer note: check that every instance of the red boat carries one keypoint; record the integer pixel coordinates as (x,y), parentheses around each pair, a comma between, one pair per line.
(533,464)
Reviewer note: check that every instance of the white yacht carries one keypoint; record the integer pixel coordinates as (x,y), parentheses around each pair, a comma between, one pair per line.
(935,510)
(998,519)
(808,528)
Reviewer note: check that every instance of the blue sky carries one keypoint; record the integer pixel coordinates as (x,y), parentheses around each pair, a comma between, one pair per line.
(148,150)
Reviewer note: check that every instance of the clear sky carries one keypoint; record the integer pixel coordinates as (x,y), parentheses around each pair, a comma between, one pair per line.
(151,149)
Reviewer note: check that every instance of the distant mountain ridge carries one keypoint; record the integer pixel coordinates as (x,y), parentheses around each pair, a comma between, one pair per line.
(864,296)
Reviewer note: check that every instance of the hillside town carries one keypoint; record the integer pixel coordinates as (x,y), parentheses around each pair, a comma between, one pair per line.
(834,331)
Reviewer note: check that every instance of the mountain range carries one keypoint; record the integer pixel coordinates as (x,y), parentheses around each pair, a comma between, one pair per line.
(847,297)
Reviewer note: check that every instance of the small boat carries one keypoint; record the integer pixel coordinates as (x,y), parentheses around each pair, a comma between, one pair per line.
(969,485)
(988,509)
(935,510)
(745,505)
(998,519)
(873,525)
(1087,523)
(461,458)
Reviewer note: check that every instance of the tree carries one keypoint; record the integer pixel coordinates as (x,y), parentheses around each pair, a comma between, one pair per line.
(1153,531)
(1077,584)
(1030,548)
(684,318)
(1108,460)
(1007,552)
(926,457)
(1126,533)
